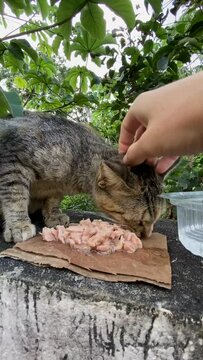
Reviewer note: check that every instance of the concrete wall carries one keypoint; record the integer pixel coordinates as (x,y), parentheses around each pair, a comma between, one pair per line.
(37,323)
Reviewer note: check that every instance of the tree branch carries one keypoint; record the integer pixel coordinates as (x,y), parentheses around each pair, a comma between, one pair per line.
(19,27)
(42,28)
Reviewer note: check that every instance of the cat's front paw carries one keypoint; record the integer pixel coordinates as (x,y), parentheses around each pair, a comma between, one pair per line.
(19,232)
(57,219)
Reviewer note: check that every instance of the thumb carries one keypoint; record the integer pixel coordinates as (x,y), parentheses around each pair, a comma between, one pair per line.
(138,152)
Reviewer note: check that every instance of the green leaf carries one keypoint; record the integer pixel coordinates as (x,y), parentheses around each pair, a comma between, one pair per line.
(196,24)
(191,41)
(72,77)
(198,17)
(4,22)
(97,61)
(124,9)
(10,104)
(83,83)
(28,9)
(12,62)
(155,4)
(34,82)
(65,30)
(44,8)
(4,105)
(2,48)
(183,55)
(1,7)
(53,2)
(93,21)
(16,50)
(20,83)
(180,27)
(148,46)
(34,75)
(56,43)
(162,63)
(161,33)
(33,37)
(95,80)
(133,52)
(16,4)
(110,63)
(81,99)
(84,44)
(14,103)
(68,8)
(163,52)
(130,51)
(109,39)
(78,76)
(25,45)
(66,47)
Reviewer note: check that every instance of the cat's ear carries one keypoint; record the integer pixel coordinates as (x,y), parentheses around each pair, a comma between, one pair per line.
(111,173)
(118,168)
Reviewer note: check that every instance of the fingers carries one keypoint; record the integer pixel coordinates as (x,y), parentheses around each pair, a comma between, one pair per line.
(128,130)
(138,151)
(148,149)
(166,163)
(140,131)
(137,154)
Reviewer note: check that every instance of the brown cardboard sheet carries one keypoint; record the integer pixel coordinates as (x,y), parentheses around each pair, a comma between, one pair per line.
(150,264)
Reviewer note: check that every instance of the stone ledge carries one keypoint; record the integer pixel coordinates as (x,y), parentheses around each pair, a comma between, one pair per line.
(52,314)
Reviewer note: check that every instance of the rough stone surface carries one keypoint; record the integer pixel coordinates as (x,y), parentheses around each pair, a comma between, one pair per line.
(51,314)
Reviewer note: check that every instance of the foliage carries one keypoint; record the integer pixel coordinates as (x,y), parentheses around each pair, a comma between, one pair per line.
(187,176)
(10,104)
(37,71)
(37,61)
(78,202)
(102,120)
(150,53)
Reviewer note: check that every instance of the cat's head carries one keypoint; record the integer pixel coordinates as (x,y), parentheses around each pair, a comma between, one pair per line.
(129,195)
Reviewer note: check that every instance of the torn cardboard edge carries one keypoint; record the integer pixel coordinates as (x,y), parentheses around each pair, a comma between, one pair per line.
(151,264)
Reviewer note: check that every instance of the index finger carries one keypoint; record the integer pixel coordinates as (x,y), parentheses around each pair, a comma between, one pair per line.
(129,127)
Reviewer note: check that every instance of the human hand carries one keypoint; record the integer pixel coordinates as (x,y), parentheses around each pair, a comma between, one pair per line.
(164,123)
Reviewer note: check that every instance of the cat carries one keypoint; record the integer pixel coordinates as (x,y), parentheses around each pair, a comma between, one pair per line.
(44,157)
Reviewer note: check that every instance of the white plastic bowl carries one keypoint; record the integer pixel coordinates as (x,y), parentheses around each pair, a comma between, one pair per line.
(190,219)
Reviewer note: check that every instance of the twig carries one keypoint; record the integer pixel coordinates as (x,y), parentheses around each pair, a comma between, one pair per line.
(13,17)
(28,98)
(47,27)
(9,34)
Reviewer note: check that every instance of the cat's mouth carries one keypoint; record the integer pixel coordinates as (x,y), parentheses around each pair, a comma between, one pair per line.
(140,228)
(116,217)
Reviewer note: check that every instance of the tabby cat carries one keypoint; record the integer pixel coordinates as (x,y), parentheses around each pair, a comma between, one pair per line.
(44,157)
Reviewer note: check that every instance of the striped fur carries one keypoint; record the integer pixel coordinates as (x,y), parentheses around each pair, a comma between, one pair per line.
(44,157)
